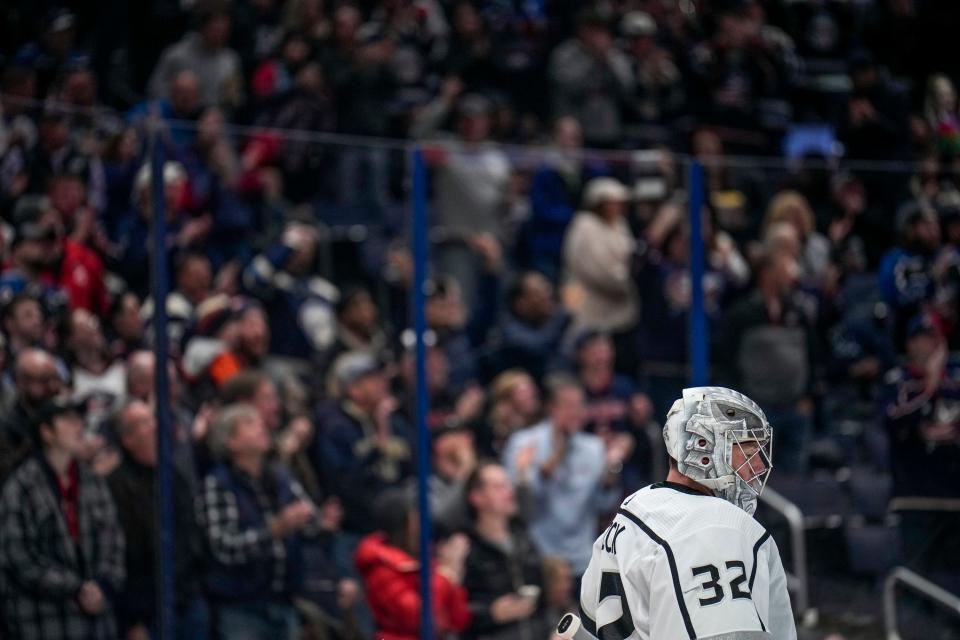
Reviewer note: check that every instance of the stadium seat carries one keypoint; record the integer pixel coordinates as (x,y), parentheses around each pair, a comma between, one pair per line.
(872,549)
(870,492)
(821,499)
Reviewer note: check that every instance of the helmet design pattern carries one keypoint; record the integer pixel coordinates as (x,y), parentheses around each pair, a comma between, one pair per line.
(721,438)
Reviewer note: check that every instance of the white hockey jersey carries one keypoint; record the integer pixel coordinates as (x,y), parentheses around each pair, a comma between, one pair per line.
(676,564)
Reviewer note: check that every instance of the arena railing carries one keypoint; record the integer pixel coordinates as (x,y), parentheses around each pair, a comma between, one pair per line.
(915,582)
(797,581)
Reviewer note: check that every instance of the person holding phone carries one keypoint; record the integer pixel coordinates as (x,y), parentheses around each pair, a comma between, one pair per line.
(504,573)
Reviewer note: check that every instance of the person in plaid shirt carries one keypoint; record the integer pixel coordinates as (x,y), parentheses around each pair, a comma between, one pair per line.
(254,516)
(61,546)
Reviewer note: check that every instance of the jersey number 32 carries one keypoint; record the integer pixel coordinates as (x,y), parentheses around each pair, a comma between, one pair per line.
(712,588)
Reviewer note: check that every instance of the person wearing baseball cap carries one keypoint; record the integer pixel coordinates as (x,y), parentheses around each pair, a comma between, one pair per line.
(598,254)
(61,546)
(365,447)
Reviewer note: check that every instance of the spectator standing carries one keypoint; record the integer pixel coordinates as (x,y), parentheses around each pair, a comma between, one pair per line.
(454,460)
(289,437)
(132,487)
(233,336)
(906,279)
(24,323)
(121,161)
(36,380)
(940,114)
(567,475)
(659,94)
(591,80)
(98,379)
(663,276)
(555,191)
(598,255)
(181,102)
(253,516)
(473,57)
(514,405)
(875,125)
(217,190)
(450,406)
(323,584)
(299,305)
(206,53)
(276,75)
(470,186)
(446,315)
(389,562)
(766,345)
(61,546)
(503,563)
(814,257)
(861,352)
(126,326)
(358,63)
(739,77)
(359,327)
(307,105)
(310,17)
(362,445)
(608,394)
(189,430)
(617,411)
(55,152)
(184,232)
(532,327)
(44,256)
(193,278)
(734,191)
(920,400)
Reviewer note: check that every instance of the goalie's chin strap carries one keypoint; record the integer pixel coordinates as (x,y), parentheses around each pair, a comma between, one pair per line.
(718,484)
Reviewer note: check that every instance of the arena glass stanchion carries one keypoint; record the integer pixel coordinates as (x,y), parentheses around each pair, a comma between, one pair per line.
(699,331)
(421,248)
(163,488)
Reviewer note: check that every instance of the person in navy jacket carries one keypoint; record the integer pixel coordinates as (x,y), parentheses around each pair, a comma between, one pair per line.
(921,410)
(254,516)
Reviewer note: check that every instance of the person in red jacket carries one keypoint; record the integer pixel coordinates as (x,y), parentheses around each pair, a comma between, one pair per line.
(387,561)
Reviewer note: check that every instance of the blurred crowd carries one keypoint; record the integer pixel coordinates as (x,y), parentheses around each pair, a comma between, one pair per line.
(557,137)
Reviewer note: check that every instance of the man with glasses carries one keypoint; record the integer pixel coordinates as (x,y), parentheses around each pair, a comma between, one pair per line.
(36,380)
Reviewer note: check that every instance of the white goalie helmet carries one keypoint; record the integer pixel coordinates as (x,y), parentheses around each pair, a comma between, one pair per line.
(721,439)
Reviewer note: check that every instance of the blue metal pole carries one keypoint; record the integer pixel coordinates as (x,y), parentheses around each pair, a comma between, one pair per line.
(699,330)
(159,286)
(421,256)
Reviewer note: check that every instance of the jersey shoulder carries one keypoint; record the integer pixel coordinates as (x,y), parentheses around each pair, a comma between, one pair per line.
(673,511)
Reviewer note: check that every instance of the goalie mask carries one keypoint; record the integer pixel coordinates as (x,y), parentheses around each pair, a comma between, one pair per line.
(721,439)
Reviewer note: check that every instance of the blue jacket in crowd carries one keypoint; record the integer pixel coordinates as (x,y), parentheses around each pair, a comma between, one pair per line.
(299,309)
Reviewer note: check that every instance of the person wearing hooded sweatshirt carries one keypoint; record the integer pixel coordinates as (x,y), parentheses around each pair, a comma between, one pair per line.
(389,564)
